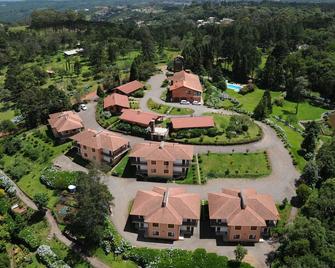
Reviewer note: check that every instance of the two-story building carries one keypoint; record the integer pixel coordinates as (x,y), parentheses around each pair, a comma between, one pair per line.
(65,124)
(163,160)
(185,86)
(241,215)
(100,146)
(165,213)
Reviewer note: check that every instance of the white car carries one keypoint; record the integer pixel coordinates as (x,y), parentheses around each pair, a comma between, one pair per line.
(83,107)
(196,102)
(185,102)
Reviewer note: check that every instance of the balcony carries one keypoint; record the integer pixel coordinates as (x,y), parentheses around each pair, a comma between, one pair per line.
(186,164)
(216,223)
(193,223)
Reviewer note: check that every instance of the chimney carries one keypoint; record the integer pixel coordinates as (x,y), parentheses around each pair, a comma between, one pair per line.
(161,145)
(152,126)
(165,198)
(243,199)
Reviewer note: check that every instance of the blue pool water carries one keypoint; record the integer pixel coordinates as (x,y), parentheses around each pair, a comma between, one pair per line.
(234,87)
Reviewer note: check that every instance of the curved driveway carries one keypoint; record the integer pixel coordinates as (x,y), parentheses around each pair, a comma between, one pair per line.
(279,184)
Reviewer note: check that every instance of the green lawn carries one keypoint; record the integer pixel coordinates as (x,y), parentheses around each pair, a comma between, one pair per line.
(166,109)
(30,183)
(6,111)
(191,177)
(235,165)
(113,260)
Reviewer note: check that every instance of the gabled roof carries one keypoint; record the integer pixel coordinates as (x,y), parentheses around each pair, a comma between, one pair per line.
(166,205)
(130,87)
(192,122)
(65,121)
(162,151)
(242,208)
(100,139)
(138,117)
(116,99)
(185,79)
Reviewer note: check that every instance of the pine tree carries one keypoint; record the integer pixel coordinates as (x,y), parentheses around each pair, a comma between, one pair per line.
(100,91)
(264,107)
(134,71)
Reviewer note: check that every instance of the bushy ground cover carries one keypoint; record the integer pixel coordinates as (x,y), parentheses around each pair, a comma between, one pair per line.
(235,165)
(167,109)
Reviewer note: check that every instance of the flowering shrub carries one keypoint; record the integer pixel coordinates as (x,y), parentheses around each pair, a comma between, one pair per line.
(6,184)
(49,258)
(56,179)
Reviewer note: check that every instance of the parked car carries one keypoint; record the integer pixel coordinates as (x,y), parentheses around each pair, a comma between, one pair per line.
(196,102)
(83,107)
(185,102)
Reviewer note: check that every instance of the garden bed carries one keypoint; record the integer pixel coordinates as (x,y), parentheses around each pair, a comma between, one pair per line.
(235,165)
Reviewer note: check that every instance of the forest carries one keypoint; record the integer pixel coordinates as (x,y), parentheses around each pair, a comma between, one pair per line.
(282,47)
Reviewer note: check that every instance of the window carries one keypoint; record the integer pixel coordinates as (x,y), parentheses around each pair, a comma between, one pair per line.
(155,224)
(153,162)
(84,147)
(93,150)
(218,220)
(236,236)
(170,234)
(166,163)
(252,237)
(166,171)
(218,229)
(170,225)
(85,155)
(253,228)
(153,171)
(155,233)
(237,227)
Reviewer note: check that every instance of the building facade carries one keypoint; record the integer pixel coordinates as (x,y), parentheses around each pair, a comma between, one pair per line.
(165,213)
(241,215)
(100,146)
(163,160)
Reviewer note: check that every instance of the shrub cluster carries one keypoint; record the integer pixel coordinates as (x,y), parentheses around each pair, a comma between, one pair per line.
(131,129)
(49,258)
(60,180)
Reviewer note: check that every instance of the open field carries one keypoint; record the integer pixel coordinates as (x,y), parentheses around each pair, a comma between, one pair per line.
(235,165)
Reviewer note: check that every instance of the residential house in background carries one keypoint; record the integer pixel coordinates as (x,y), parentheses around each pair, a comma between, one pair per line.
(165,213)
(101,146)
(163,160)
(192,122)
(65,124)
(185,86)
(137,117)
(115,103)
(129,88)
(241,215)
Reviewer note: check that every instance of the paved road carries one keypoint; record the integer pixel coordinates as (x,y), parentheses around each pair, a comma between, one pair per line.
(279,184)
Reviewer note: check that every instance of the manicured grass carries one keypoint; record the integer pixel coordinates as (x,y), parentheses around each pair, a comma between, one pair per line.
(294,139)
(119,169)
(113,260)
(166,109)
(6,111)
(30,183)
(253,133)
(192,176)
(235,165)
(284,214)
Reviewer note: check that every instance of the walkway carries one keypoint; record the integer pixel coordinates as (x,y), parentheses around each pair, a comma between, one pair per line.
(279,184)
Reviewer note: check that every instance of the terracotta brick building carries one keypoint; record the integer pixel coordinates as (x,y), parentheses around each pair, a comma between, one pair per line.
(185,86)
(65,124)
(241,215)
(115,103)
(192,122)
(164,160)
(165,213)
(129,88)
(100,146)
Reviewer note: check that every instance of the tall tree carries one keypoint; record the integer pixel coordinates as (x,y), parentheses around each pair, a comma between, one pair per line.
(264,107)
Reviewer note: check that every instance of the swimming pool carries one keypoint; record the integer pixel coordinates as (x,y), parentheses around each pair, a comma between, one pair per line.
(234,87)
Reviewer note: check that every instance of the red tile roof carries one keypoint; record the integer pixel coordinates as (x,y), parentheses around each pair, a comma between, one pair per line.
(185,79)
(138,117)
(100,139)
(162,151)
(130,87)
(166,205)
(242,207)
(116,99)
(65,121)
(192,122)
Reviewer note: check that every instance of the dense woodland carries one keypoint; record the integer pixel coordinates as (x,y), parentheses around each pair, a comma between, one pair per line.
(295,42)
